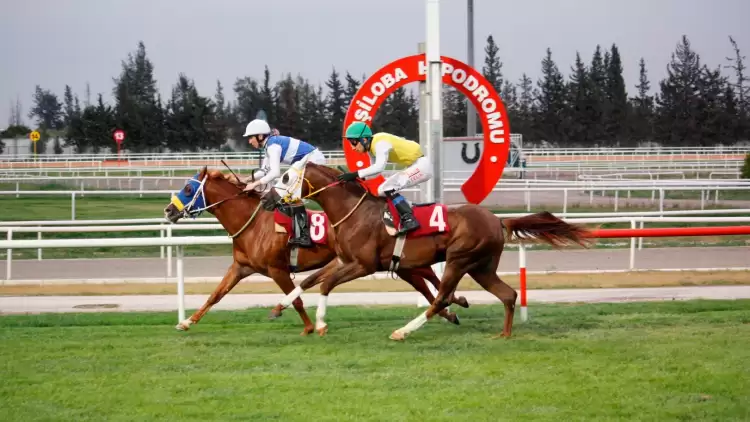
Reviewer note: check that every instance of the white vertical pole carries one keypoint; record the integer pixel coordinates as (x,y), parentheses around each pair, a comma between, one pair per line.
(433,125)
(180,285)
(169,253)
(39,251)
(522,280)
(72,205)
(632,247)
(434,91)
(9,258)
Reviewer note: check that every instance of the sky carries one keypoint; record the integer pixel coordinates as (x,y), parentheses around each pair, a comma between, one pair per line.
(57,42)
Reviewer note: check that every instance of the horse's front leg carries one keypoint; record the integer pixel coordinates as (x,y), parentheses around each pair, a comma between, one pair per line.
(342,274)
(235,273)
(311,280)
(285,283)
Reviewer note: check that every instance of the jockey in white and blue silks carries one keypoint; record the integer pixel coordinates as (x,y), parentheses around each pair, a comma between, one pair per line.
(278,150)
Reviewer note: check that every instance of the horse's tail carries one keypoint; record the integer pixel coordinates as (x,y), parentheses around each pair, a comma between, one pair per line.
(546,227)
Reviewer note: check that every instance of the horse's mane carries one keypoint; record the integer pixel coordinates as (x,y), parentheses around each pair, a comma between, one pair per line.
(354,188)
(217,175)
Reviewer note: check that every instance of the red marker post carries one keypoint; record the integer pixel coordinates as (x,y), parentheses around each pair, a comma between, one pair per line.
(119,136)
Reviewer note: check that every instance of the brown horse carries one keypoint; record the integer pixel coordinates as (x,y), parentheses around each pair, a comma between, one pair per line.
(258,247)
(470,239)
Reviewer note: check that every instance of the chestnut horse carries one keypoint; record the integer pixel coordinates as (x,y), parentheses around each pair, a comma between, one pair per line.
(258,248)
(472,245)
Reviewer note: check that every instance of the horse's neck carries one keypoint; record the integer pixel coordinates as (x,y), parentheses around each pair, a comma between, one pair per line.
(233,214)
(338,202)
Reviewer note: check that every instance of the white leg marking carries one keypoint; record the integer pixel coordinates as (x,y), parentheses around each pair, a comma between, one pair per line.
(294,294)
(414,324)
(321,313)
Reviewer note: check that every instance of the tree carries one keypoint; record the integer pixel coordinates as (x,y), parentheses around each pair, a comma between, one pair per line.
(741,94)
(138,109)
(746,167)
(617,97)
(678,103)
(15,117)
(551,99)
(335,107)
(288,119)
(493,67)
(47,110)
(352,86)
(191,122)
(580,103)
(642,121)
(597,113)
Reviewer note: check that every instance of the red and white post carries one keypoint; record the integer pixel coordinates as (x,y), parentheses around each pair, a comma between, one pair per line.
(522,278)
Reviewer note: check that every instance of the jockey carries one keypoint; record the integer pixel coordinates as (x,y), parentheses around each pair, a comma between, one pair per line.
(287,150)
(390,148)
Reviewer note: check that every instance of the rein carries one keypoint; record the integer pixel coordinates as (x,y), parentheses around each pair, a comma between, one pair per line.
(315,192)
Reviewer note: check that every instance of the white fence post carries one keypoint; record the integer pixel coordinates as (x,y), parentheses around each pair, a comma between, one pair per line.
(9,258)
(72,205)
(632,247)
(39,251)
(180,285)
(169,253)
(522,280)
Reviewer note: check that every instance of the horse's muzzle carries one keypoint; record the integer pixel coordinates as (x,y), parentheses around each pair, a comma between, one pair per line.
(172,214)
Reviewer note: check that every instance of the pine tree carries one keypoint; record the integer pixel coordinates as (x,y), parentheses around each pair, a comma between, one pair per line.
(335,106)
(288,119)
(642,121)
(600,103)
(617,98)
(137,110)
(352,86)
(678,103)
(551,99)
(493,67)
(741,88)
(580,103)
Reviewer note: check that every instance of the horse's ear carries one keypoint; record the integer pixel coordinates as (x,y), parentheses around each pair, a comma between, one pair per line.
(202,172)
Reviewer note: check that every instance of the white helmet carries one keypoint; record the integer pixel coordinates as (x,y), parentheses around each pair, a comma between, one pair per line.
(257,127)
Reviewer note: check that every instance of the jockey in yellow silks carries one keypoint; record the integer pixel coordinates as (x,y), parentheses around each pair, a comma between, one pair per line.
(394,149)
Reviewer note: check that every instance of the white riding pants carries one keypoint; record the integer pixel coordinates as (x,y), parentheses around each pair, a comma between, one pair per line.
(419,172)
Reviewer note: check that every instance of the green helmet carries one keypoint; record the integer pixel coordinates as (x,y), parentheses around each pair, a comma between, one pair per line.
(358,130)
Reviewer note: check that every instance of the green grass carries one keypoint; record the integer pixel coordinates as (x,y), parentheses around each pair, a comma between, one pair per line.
(635,361)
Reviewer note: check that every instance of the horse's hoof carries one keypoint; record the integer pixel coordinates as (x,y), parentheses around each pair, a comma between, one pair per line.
(462,302)
(322,330)
(307,331)
(183,325)
(453,317)
(501,335)
(275,312)
(397,335)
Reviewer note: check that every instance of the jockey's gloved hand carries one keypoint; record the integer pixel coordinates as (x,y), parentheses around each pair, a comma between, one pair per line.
(348,177)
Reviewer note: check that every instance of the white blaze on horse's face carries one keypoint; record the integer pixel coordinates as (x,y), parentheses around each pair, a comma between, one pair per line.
(289,185)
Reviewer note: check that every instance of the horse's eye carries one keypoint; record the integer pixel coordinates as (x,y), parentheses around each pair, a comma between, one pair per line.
(285,179)
(188,190)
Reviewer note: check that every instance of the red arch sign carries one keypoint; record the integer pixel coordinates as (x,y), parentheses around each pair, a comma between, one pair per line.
(463,77)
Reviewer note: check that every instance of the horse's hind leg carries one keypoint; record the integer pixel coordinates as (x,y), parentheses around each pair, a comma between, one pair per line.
(488,279)
(420,285)
(282,279)
(234,274)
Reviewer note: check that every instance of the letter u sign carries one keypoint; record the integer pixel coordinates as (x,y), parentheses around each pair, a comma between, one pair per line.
(495,125)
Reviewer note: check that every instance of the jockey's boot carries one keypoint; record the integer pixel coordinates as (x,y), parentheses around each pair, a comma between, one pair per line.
(408,222)
(301,235)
